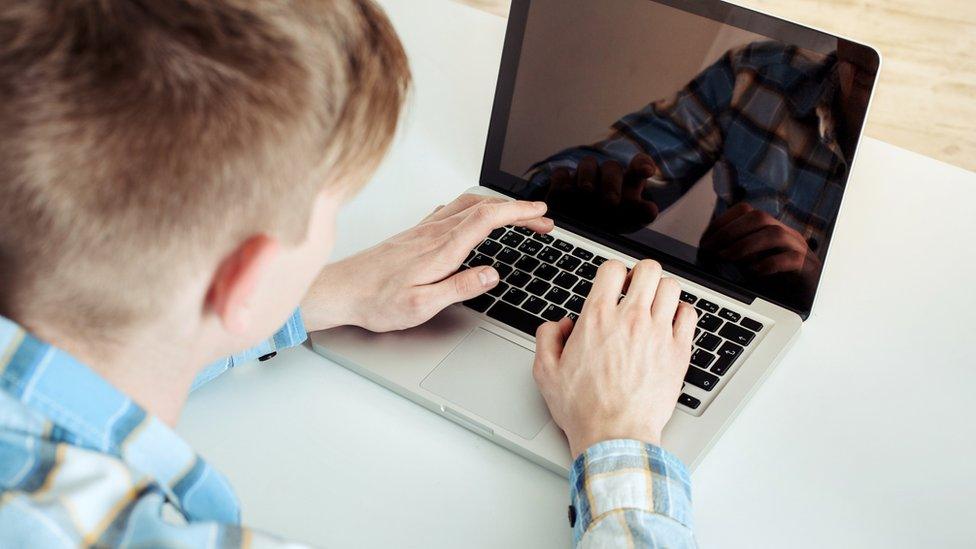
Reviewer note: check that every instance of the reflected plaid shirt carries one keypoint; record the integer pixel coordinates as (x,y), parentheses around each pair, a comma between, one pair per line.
(761,116)
(81,464)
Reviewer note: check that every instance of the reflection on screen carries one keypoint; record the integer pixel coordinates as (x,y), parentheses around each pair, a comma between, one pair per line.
(719,146)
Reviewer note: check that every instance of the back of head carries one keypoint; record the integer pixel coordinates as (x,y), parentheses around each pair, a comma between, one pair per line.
(140,139)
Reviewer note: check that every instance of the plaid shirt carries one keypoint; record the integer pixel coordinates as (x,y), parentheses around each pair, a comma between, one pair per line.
(761,116)
(81,464)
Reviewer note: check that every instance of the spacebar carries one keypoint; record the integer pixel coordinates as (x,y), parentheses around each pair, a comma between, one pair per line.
(516,318)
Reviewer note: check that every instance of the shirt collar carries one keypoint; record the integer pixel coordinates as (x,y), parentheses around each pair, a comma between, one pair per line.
(85,410)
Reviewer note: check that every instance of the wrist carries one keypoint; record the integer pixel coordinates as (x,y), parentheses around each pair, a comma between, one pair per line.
(580,444)
(330,303)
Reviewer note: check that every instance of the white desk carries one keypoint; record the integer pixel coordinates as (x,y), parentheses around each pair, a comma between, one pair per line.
(862,437)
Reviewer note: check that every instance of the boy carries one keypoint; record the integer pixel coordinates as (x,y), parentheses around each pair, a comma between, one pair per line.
(170,173)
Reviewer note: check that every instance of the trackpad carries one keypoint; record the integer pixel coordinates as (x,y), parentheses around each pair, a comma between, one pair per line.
(492,377)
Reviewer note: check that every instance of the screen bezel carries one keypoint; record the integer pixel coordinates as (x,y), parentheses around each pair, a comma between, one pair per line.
(780,29)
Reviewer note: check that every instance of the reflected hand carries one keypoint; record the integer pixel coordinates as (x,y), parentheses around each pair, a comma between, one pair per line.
(406,280)
(605,195)
(761,243)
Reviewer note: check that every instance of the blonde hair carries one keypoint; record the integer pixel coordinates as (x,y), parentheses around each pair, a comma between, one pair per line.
(139,138)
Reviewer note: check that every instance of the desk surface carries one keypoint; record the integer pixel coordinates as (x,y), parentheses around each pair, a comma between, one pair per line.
(861,437)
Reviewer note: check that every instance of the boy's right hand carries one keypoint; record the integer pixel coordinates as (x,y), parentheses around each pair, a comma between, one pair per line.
(617,373)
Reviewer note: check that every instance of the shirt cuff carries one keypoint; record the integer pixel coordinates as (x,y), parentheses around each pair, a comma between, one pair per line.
(628,474)
(290,335)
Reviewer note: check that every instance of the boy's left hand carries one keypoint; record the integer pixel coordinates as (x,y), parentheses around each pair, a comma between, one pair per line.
(406,280)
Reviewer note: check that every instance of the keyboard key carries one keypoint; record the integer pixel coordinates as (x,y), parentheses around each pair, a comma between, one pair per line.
(515,296)
(480,260)
(583,288)
(751,324)
(499,290)
(575,304)
(497,233)
(731,316)
(518,278)
(508,255)
(544,238)
(511,239)
(538,287)
(565,280)
(737,334)
(599,260)
(689,401)
(726,357)
(480,303)
(707,306)
(503,269)
(702,358)
(568,263)
(688,298)
(563,246)
(700,378)
(545,272)
(553,312)
(549,255)
(709,322)
(585,255)
(489,247)
(534,304)
(557,296)
(530,247)
(587,270)
(523,231)
(709,342)
(527,263)
(514,317)
(573,316)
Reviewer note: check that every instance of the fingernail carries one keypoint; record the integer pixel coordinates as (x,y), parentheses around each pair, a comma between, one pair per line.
(488,276)
(539,204)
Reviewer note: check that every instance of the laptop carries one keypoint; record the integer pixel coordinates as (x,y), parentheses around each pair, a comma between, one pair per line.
(712,138)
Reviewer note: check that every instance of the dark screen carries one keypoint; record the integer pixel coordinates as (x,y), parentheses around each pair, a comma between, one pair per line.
(707,135)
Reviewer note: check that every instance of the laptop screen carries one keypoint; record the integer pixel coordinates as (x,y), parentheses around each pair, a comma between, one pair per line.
(711,137)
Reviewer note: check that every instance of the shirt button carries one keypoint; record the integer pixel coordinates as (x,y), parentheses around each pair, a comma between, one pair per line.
(571,515)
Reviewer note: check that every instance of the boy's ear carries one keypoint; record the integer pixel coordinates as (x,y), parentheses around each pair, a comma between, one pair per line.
(233,286)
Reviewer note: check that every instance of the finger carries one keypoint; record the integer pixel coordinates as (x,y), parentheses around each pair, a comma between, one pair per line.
(685,320)
(461,203)
(768,238)
(611,184)
(730,215)
(607,286)
(540,225)
(641,167)
(476,222)
(644,280)
(586,174)
(550,339)
(666,300)
(465,285)
(792,261)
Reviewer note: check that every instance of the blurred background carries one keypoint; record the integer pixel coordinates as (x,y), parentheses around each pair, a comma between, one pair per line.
(926,99)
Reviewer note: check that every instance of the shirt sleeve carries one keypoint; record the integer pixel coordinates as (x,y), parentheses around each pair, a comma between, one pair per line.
(290,335)
(627,493)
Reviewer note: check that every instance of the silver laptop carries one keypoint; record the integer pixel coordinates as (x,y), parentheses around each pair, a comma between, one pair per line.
(712,138)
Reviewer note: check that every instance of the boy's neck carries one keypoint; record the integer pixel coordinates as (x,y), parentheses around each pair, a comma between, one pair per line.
(157,377)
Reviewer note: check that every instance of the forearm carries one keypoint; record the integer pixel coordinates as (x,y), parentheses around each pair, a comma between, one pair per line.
(627,493)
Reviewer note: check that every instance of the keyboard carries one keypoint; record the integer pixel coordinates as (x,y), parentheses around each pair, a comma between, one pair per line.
(544,278)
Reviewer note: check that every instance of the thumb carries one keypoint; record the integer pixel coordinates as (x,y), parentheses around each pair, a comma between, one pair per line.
(465,285)
(550,339)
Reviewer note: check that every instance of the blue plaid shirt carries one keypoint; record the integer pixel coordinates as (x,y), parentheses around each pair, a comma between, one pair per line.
(762,117)
(81,464)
